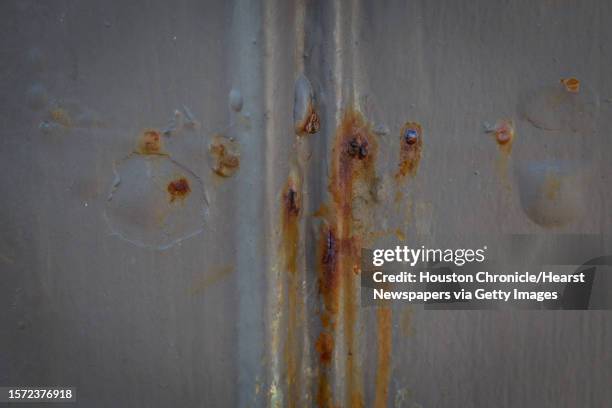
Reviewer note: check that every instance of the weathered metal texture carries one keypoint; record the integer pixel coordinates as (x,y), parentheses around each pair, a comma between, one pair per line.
(260,306)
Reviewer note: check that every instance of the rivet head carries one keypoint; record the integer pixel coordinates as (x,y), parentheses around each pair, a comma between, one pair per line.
(411,136)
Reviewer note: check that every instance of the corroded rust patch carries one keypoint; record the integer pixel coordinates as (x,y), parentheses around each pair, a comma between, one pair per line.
(571,84)
(504,134)
(411,145)
(225,156)
(150,142)
(325,347)
(342,234)
(291,203)
(178,189)
(311,123)
(329,279)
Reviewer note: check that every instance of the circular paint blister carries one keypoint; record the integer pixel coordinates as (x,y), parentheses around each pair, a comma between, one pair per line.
(155,202)
(556,108)
(551,192)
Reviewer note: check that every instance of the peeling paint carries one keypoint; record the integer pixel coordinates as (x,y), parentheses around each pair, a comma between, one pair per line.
(224,155)
(571,84)
(305,117)
(150,142)
(141,205)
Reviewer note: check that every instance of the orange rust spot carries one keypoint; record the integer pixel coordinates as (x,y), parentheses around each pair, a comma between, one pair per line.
(325,347)
(179,189)
(571,84)
(225,156)
(504,135)
(311,124)
(411,145)
(150,142)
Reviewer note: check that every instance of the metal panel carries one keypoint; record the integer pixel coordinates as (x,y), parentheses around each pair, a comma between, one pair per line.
(232,313)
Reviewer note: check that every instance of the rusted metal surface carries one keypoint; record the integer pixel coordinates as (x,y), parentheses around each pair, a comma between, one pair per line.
(215,262)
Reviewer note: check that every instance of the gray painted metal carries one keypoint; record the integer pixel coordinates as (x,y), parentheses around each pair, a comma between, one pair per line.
(201,323)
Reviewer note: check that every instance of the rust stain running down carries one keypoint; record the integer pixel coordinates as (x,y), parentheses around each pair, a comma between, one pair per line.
(329,281)
(383,373)
(353,175)
(225,156)
(150,142)
(411,145)
(571,84)
(291,203)
(504,135)
(328,273)
(178,189)
(325,347)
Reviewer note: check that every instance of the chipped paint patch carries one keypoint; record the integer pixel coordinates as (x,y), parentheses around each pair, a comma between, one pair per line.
(225,156)
(571,84)
(305,117)
(150,142)
(178,189)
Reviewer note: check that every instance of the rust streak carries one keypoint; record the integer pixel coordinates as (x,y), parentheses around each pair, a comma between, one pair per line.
(290,218)
(325,347)
(383,373)
(341,237)
(411,145)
